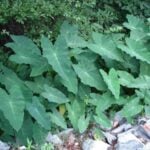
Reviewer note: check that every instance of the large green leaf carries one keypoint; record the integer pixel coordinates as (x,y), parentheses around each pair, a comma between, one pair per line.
(136,49)
(54,95)
(112,81)
(105,46)
(38,112)
(14,85)
(89,75)
(13,109)
(59,59)
(26,52)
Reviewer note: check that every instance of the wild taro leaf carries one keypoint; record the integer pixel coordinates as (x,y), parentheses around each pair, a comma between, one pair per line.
(59,59)
(38,112)
(84,91)
(58,119)
(136,49)
(54,95)
(37,86)
(83,123)
(126,79)
(102,102)
(26,52)
(112,81)
(89,75)
(105,46)
(75,110)
(69,34)
(13,109)
(14,85)
(102,119)
(132,108)
(144,68)
(39,133)
(25,132)
(134,23)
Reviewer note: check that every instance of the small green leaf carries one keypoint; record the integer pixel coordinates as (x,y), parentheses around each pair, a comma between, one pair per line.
(39,133)
(83,123)
(132,108)
(58,119)
(112,81)
(54,95)
(75,110)
(102,120)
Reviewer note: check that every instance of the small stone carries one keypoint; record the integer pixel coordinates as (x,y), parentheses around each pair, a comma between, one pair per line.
(54,139)
(118,119)
(121,128)
(110,138)
(90,144)
(4,146)
(127,141)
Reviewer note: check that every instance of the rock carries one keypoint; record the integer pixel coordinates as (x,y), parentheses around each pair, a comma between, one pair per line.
(110,138)
(4,146)
(147,146)
(118,120)
(64,134)
(22,148)
(54,139)
(94,145)
(143,132)
(128,141)
(122,128)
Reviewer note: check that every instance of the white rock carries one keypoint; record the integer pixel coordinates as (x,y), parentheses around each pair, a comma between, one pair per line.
(127,141)
(90,144)
(54,139)
(110,138)
(122,128)
(4,146)
(22,148)
(147,146)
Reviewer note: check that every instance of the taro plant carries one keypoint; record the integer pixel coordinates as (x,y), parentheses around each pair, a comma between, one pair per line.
(73,79)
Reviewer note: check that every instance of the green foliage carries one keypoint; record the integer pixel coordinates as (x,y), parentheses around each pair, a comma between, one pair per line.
(89,77)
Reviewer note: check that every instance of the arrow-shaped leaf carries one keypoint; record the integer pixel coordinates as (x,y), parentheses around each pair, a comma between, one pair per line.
(54,95)
(38,112)
(112,81)
(59,59)
(13,109)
